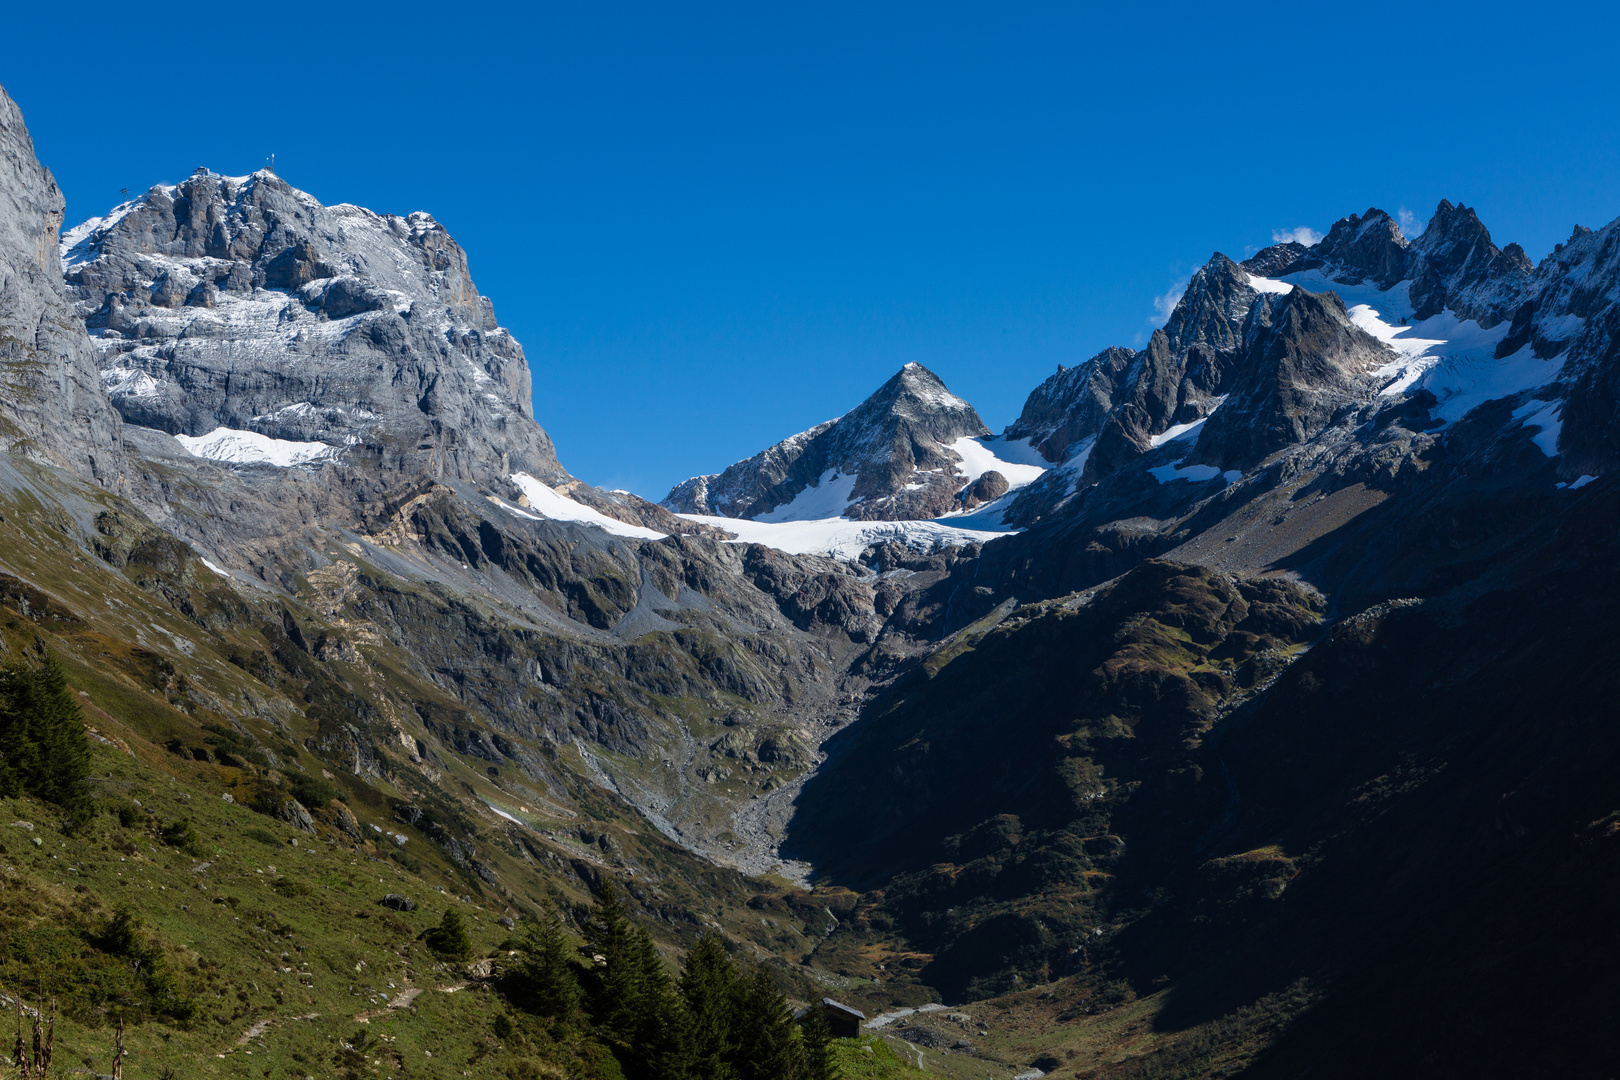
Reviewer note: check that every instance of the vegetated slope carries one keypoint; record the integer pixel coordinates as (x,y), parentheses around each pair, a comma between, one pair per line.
(411,677)
(256,793)
(996,795)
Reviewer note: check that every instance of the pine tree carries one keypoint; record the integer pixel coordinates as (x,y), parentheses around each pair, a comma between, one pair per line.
(628,995)
(612,989)
(66,754)
(663,1042)
(712,995)
(767,1046)
(42,746)
(545,982)
(818,1056)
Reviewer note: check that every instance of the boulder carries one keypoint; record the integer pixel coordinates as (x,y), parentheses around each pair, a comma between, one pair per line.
(293,813)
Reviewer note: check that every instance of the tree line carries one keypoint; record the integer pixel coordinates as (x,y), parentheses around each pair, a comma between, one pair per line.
(625,1016)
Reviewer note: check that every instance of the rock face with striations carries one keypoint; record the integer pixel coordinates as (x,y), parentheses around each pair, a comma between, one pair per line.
(1071,406)
(888,460)
(242,303)
(52,407)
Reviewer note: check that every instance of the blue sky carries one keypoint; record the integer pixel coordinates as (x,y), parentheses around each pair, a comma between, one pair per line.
(712,226)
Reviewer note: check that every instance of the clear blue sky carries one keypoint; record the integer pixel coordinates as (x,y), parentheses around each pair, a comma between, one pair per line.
(712,226)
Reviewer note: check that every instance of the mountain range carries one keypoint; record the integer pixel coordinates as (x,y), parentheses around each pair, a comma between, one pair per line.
(1242,708)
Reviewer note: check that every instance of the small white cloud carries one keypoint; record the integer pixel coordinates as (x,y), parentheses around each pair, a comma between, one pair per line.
(1304,234)
(1165,304)
(1410,223)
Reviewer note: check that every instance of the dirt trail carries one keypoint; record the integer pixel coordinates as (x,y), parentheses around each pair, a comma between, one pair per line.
(259,1027)
(401,1001)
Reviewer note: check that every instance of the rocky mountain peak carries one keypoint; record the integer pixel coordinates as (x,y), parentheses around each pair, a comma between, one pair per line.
(1367,246)
(1455,264)
(242,303)
(888,459)
(1303,364)
(1071,405)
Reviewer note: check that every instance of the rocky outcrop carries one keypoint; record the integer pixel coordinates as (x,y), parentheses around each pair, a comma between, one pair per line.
(1301,368)
(1454,265)
(1184,372)
(1364,247)
(989,487)
(243,303)
(52,407)
(1270,367)
(892,455)
(1072,405)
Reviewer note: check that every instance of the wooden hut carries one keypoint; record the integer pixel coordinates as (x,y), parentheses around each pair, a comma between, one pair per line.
(844,1021)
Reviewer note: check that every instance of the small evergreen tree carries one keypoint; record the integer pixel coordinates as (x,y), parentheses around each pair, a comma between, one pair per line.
(712,995)
(43,750)
(819,1063)
(768,1048)
(448,940)
(544,982)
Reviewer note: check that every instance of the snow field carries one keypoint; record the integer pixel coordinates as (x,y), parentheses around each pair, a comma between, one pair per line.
(546,503)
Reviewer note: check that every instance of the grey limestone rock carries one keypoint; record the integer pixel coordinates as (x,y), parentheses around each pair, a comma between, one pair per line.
(244,303)
(52,407)
(293,813)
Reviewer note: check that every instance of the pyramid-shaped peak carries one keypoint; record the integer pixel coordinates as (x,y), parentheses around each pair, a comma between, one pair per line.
(918,382)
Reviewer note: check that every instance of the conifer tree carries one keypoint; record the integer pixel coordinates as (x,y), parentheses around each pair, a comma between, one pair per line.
(544,982)
(42,746)
(449,939)
(612,987)
(629,996)
(663,1035)
(66,757)
(712,995)
(767,1046)
(818,1056)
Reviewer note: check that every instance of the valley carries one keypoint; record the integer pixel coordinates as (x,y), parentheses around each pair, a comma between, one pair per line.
(1248,694)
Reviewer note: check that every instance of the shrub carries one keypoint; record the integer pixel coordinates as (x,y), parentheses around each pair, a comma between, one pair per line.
(448,940)
(179,834)
(312,791)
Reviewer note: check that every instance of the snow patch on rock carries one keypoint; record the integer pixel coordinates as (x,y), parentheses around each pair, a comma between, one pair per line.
(547,503)
(250,448)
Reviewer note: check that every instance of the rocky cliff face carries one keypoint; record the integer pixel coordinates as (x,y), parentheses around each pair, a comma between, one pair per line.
(1304,363)
(242,303)
(890,459)
(52,407)
(1070,407)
